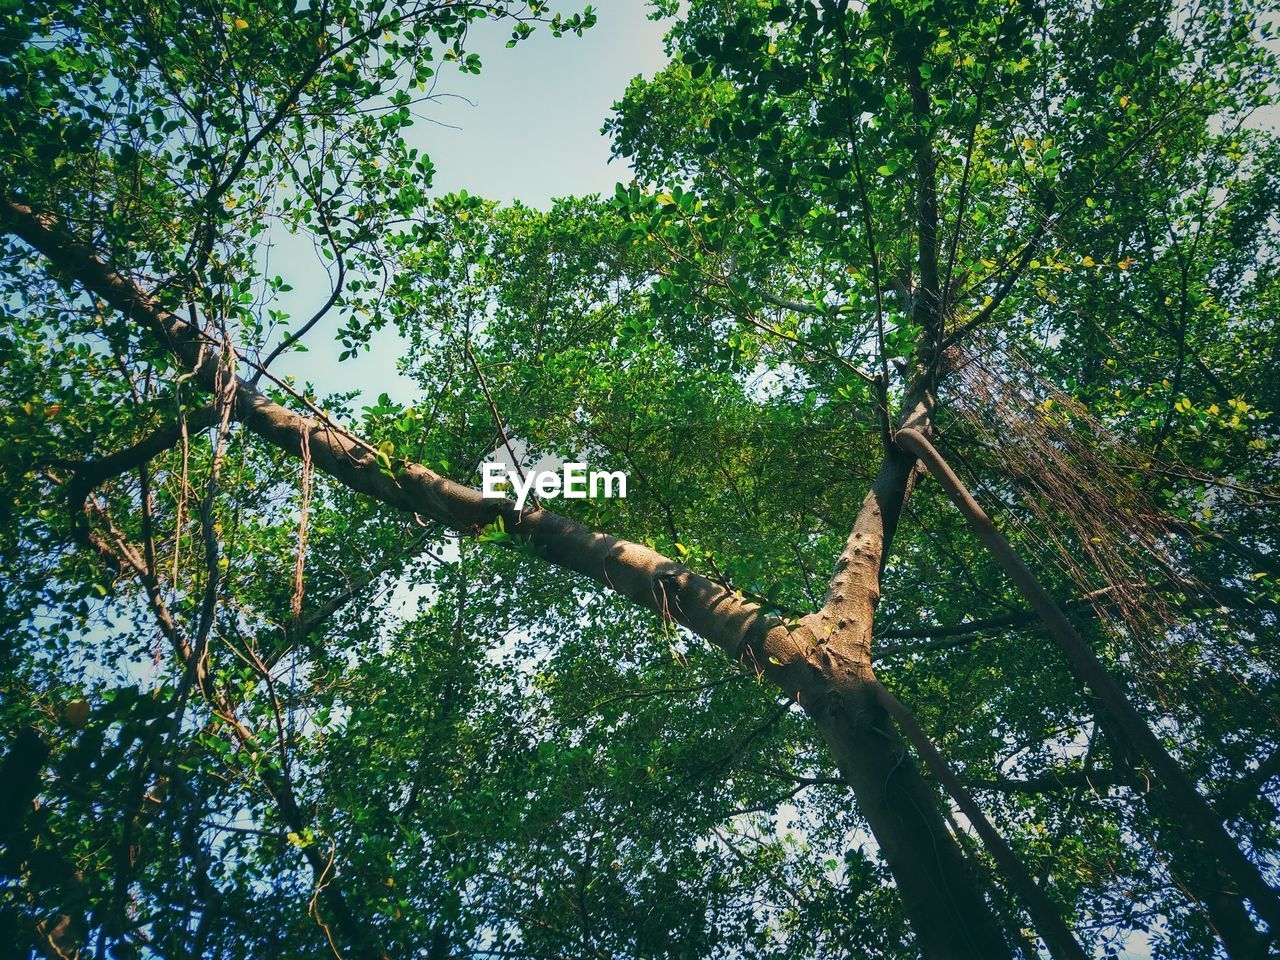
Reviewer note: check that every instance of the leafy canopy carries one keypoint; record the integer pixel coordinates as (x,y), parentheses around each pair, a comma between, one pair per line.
(422,740)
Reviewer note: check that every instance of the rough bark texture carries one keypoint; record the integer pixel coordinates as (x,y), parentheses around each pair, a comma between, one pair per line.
(941,895)
(939,890)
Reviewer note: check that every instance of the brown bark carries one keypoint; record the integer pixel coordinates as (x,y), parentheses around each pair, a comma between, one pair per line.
(89,474)
(941,895)
(638,573)
(939,892)
(1057,935)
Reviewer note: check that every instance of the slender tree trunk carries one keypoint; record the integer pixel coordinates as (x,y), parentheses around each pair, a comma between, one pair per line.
(1193,872)
(1222,869)
(1044,912)
(1199,878)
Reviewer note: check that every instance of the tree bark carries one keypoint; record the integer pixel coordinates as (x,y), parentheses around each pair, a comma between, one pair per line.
(939,891)
(1044,912)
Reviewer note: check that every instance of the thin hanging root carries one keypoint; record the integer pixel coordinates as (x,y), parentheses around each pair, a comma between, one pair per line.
(300,562)
(1073,476)
(313,908)
(1080,485)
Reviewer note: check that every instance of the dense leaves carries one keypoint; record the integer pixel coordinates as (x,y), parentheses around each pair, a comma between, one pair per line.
(248,710)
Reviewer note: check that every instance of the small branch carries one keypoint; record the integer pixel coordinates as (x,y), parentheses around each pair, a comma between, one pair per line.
(89,474)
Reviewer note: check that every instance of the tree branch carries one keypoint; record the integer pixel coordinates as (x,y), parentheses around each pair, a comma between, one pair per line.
(640,574)
(89,474)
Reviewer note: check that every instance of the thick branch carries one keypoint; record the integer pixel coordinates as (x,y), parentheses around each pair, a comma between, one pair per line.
(928,303)
(854,590)
(636,572)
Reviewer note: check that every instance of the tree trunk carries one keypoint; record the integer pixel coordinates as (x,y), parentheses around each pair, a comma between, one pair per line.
(1193,872)
(940,893)
(1044,912)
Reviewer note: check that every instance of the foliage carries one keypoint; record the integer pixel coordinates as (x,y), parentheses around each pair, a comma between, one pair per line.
(390,738)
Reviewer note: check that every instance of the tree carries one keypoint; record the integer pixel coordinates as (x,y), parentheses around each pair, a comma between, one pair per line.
(1037,237)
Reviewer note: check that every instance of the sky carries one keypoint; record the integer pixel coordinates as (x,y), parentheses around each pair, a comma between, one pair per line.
(526,128)
(531,130)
